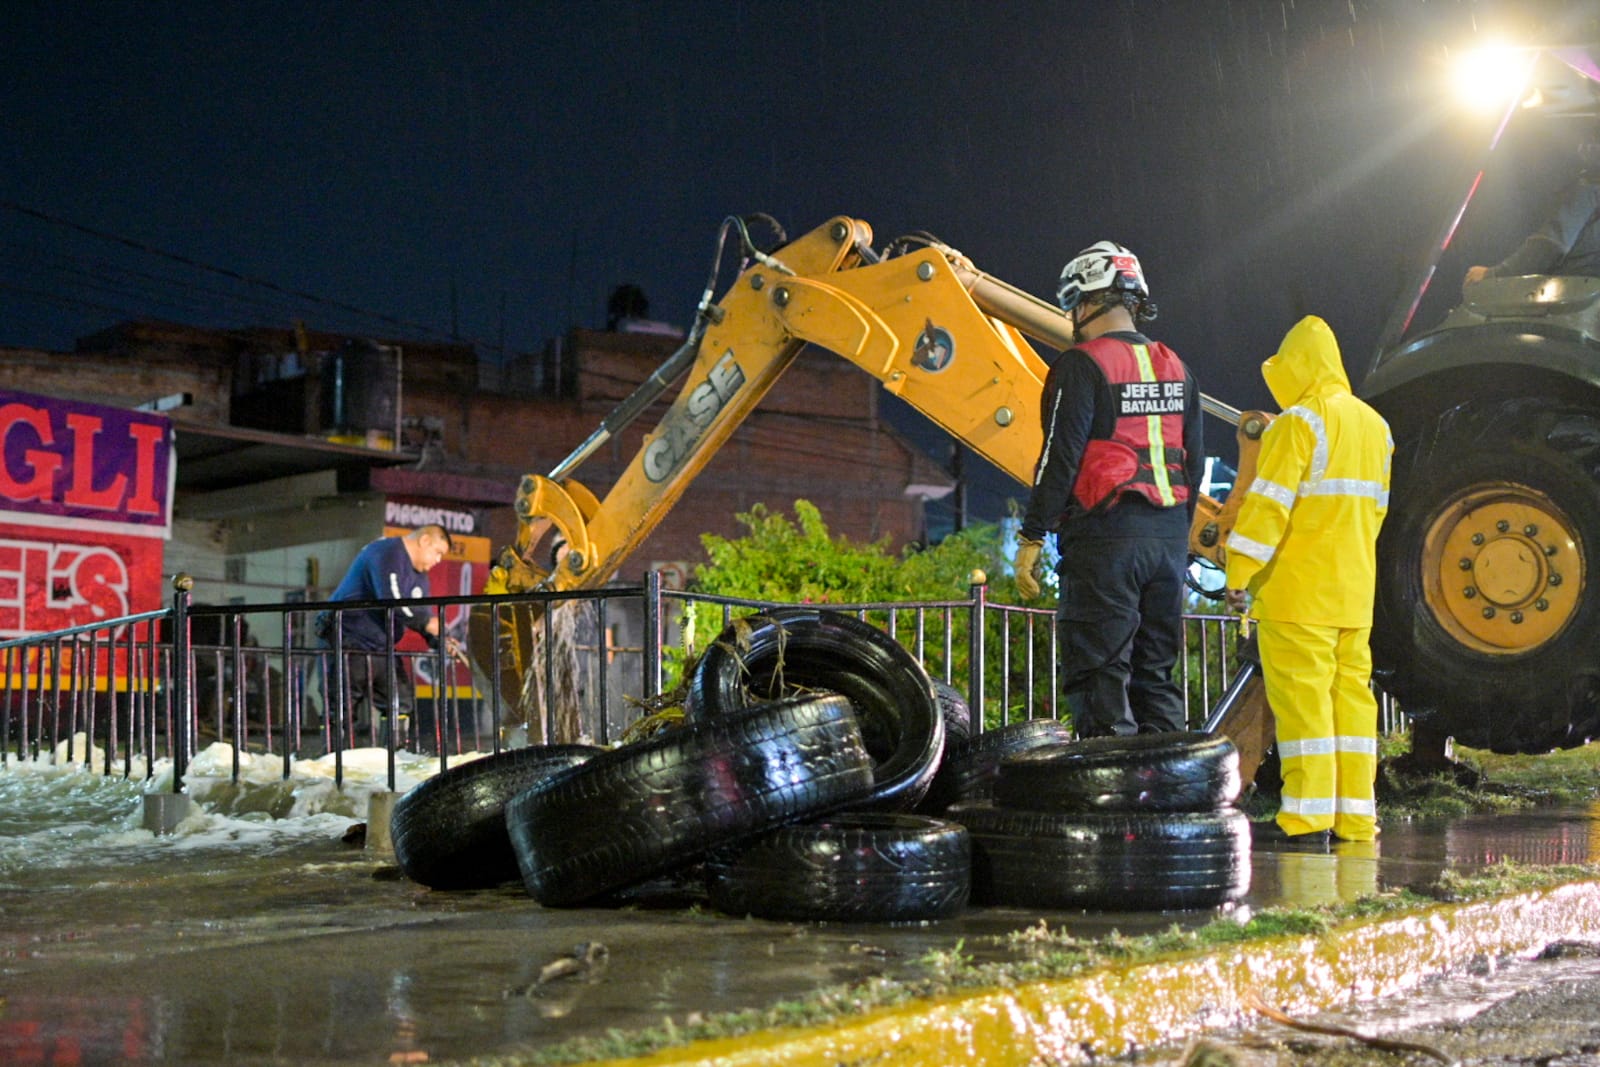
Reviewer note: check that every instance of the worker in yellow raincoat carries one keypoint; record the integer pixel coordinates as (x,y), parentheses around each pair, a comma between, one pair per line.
(1303,557)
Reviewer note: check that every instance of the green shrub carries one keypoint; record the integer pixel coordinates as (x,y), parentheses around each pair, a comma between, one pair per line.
(799,561)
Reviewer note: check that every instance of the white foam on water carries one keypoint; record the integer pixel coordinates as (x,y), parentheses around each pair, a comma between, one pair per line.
(58,813)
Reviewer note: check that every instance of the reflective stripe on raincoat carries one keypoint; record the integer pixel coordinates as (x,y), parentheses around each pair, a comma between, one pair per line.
(1305,540)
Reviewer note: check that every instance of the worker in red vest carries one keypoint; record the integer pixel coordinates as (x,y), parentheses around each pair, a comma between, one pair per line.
(1117,481)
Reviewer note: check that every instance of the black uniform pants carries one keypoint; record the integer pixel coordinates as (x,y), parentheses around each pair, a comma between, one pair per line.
(367,692)
(1121,633)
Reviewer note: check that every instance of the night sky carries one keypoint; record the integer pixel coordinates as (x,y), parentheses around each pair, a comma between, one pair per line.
(492,171)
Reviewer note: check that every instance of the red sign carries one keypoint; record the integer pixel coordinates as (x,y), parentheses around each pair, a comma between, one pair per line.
(53,579)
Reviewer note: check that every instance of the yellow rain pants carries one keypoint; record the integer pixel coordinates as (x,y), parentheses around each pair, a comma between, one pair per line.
(1327,721)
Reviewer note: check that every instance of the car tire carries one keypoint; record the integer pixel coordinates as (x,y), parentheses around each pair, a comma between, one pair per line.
(449,832)
(633,813)
(852,867)
(764,656)
(1163,772)
(955,711)
(1118,862)
(969,767)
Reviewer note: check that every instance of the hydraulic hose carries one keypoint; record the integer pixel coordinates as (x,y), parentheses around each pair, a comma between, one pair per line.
(624,413)
(675,366)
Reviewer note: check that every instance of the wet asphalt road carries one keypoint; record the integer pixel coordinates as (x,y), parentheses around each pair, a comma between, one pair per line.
(320,954)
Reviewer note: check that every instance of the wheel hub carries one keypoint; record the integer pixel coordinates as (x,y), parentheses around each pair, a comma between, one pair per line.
(1503,568)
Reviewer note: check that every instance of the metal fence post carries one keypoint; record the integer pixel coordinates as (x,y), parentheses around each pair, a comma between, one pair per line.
(652,633)
(976,626)
(182,699)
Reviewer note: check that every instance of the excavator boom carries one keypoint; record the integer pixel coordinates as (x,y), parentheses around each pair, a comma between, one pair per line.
(950,340)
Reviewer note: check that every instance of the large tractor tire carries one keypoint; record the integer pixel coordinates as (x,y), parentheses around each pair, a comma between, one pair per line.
(1486,620)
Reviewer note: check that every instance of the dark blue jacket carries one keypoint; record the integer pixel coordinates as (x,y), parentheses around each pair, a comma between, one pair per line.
(381,571)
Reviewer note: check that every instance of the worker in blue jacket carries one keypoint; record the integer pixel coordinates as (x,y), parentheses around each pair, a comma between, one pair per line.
(390,568)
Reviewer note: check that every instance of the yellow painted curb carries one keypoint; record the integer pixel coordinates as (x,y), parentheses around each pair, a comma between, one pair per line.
(1113,1011)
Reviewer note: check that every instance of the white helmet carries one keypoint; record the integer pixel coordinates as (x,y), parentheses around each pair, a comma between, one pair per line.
(1104,265)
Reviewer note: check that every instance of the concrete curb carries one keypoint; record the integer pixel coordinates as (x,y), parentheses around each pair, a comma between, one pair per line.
(1116,1010)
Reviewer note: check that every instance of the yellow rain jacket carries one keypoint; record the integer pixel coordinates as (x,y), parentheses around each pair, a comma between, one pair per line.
(1305,540)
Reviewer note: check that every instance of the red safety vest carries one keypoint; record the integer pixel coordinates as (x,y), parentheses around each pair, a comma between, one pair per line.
(1144,453)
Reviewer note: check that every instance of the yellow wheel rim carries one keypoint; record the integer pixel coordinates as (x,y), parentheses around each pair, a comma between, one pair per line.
(1503,570)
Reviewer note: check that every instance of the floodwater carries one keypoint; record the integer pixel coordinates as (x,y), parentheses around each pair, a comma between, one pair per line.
(253,939)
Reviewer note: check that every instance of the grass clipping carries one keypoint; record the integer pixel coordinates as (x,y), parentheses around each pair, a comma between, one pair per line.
(667,710)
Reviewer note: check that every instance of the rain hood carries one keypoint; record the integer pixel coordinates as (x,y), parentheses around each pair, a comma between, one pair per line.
(1307,362)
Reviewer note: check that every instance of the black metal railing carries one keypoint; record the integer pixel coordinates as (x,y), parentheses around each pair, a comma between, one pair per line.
(133,691)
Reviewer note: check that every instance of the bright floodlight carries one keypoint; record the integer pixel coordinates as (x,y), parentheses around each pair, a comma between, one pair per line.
(1491,78)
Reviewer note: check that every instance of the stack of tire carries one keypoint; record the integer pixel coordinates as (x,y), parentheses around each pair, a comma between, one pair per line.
(1138,823)
(821,775)
(808,738)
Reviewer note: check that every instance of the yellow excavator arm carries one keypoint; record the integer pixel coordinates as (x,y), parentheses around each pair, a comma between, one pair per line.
(948,339)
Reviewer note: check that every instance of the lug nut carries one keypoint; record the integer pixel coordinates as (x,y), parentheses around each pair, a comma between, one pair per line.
(1488,613)
(1541,604)
(1469,592)
(1531,530)
(1516,616)
(1477,538)
(1464,563)
(1503,525)
(1549,550)
(1555,579)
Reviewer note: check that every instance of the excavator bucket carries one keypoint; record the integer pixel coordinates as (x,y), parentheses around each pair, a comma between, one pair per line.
(501,640)
(536,649)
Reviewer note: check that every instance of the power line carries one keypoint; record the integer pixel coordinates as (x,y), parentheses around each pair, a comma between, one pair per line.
(225,272)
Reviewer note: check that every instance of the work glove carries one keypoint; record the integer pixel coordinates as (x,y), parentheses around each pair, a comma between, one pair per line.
(1027,567)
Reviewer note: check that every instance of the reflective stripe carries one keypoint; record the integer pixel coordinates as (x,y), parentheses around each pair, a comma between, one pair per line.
(1319,453)
(1152,429)
(1352,806)
(394,589)
(1237,542)
(1311,746)
(1274,492)
(1364,746)
(1362,487)
(1050,433)
(1306,805)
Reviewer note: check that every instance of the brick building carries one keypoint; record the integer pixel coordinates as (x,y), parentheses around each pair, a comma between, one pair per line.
(296,448)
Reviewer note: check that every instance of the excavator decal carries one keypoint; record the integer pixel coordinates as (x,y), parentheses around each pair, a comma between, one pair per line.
(933,349)
(682,429)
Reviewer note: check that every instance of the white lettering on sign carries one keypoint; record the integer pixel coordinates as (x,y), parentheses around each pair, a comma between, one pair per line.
(687,421)
(399,513)
(47,587)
